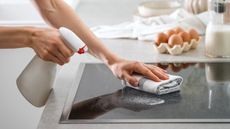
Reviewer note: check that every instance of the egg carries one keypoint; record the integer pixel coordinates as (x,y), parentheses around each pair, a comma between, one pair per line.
(185,36)
(170,33)
(178,30)
(175,40)
(161,38)
(193,34)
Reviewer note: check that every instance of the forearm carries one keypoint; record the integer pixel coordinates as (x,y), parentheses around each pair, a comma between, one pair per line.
(15,37)
(58,13)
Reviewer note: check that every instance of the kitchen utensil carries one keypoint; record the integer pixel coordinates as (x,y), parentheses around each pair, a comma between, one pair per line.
(158,7)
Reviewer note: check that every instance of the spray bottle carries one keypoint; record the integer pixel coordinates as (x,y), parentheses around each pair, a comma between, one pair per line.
(36,80)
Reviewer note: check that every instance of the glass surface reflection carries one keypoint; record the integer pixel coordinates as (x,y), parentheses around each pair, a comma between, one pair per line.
(205,94)
(127,98)
(218,79)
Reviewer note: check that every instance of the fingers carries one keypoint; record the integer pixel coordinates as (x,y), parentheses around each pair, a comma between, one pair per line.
(62,58)
(165,71)
(60,51)
(156,67)
(161,74)
(47,56)
(55,59)
(58,55)
(65,50)
(132,80)
(142,69)
(48,44)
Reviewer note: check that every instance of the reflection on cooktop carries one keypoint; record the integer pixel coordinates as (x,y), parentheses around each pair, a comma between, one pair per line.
(205,94)
(127,98)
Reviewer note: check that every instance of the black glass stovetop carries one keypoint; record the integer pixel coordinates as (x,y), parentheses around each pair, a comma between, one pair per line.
(101,97)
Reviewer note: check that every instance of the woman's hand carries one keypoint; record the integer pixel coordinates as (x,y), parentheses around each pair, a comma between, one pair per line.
(48,45)
(124,69)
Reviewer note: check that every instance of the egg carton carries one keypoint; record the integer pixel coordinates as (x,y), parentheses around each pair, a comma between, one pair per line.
(178,49)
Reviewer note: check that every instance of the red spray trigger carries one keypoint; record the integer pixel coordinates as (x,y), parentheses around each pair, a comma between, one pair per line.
(81,50)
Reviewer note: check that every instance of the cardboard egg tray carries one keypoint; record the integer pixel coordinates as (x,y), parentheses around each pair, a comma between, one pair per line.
(178,49)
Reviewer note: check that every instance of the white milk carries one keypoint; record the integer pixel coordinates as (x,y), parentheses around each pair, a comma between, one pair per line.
(217,40)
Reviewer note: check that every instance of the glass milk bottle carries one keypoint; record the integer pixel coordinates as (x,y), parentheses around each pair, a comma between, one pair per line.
(217,42)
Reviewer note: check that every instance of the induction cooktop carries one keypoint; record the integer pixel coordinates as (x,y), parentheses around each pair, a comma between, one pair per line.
(99,97)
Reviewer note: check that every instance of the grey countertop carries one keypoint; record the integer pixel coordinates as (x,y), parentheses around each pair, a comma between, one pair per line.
(112,12)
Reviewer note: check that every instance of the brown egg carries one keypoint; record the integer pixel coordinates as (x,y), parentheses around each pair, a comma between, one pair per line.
(193,34)
(175,40)
(170,33)
(185,36)
(161,38)
(178,30)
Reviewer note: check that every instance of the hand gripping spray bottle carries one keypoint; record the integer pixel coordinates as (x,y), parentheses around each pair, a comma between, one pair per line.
(36,80)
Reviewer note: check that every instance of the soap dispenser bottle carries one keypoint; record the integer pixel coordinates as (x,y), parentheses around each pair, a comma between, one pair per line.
(36,80)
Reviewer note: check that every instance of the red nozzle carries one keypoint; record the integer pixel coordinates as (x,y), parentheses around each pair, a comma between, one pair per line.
(81,50)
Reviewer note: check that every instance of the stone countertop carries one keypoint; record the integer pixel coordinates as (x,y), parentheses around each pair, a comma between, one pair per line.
(93,13)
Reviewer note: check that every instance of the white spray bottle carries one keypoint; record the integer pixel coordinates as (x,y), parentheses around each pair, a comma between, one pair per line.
(36,80)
